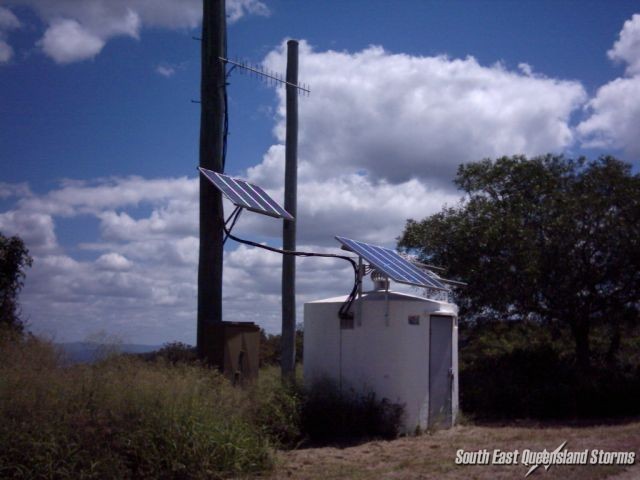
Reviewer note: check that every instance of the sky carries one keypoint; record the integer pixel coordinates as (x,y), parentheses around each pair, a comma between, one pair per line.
(99,137)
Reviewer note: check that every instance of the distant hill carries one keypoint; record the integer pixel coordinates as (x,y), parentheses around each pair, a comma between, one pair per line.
(87,352)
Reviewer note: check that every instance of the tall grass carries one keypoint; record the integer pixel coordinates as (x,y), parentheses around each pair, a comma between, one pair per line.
(121,418)
(160,416)
(276,407)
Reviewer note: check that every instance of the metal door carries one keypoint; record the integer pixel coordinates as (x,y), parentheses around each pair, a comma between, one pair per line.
(440,371)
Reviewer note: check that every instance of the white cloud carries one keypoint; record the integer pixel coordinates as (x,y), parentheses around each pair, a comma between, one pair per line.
(627,47)
(14,190)
(236,9)
(6,52)
(142,285)
(67,41)
(8,22)
(526,69)
(380,138)
(77,197)
(36,229)
(355,206)
(113,261)
(177,218)
(397,116)
(165,70)
(79,29)
(615,109)
(615,116)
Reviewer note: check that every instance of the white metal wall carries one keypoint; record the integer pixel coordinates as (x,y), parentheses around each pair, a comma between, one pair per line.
(385,354)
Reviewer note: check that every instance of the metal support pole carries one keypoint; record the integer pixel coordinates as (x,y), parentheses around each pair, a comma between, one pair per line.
(386,301)
(212,90)
(287,362)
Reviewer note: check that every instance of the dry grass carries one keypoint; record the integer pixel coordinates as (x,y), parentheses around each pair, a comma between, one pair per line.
(121,418)
(432,456)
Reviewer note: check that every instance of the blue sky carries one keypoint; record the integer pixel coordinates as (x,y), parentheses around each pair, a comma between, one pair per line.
(98,135)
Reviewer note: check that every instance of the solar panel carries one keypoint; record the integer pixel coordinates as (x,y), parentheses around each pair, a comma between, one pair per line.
(246,195)
(392,265)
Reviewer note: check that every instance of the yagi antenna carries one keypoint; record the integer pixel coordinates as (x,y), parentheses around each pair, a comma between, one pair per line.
(272,78)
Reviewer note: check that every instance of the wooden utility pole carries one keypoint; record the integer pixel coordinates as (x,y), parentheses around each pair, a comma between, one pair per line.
(212,90)
(288,359)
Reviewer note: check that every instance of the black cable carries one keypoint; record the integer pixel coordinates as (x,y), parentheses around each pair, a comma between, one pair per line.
(343,313)
(225,128)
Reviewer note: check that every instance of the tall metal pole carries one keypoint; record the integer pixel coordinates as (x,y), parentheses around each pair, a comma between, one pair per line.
(287,361)
(212,90)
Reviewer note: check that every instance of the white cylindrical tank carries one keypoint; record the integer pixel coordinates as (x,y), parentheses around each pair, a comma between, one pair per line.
(402,347)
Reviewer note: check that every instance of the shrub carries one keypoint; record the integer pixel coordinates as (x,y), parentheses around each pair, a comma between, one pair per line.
(522,370)
(173,352)
(526,383)
(330,414)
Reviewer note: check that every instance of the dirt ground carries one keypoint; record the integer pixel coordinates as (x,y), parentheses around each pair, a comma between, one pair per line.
(432,455)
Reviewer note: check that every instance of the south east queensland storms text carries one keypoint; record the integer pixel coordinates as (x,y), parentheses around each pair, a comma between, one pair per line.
(528,457)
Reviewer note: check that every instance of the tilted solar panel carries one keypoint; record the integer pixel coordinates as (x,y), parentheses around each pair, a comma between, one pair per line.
(391,264)
(246,195)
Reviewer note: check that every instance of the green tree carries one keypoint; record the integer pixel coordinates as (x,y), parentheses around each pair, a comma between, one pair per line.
(14,259)
(547,239)
(271,346)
